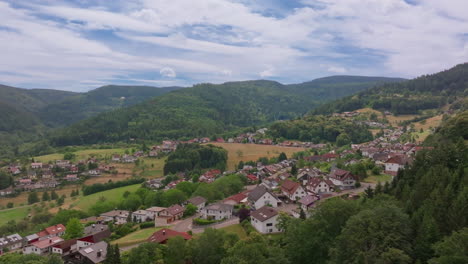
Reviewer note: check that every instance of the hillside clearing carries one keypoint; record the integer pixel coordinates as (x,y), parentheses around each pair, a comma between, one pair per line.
(236,229)
(136,237)
(431,122)
(252,152)
(81,154)
(115,195)
(396,120)
(13,214)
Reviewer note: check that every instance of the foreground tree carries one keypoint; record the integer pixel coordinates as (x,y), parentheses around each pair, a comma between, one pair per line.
(453,249)
(74,228)
(372,235)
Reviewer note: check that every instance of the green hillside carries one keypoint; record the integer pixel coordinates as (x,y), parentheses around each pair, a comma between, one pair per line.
(106,98)
(409,97)
(208,109)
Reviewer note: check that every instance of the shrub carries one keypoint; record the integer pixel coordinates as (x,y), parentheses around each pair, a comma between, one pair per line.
(200,221)
(146,225)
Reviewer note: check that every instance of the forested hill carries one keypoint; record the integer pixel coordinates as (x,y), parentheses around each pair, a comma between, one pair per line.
(208,109)
(335,87)
(103,99)
(409,97)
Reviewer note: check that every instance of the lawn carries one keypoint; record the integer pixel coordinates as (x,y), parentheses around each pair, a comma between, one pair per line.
(151,167)
(428,123)
(81,154)
(378,178)
(136,237)
(395,120)
(236,229)
(115,195)
(251,152)
(13,214)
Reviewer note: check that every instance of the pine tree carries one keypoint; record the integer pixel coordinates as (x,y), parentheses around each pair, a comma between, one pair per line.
(378,188)
(33,198)
(117,254)
(45,196)
(369,192)
(54,196)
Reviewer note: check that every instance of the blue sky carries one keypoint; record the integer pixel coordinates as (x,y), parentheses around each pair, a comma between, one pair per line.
(79,45)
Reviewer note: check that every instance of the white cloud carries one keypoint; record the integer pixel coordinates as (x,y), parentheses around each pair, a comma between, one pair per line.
(336,69)
(220,40)
(168,72)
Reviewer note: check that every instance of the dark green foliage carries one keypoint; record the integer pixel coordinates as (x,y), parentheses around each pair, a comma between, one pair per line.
(15,258)
(147,253)
(54,195)
(452,249)
(146,225)
(74,229)
(211,246)
(372,233)
(282,156)
(409,97)
(99,187)
(255,250)
(190,156)
(33,198)
(221,188)
(5,180)
(45,196)
(63,216)
(321,129)
(452,129)
(190,210)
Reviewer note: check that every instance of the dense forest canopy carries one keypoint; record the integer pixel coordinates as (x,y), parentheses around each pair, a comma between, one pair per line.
(409,97)
(188,157)
(321,129)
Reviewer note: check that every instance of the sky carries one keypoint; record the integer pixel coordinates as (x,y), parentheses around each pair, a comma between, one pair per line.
(78,45)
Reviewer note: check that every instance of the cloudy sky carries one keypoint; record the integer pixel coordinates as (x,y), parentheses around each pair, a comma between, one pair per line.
(82,44)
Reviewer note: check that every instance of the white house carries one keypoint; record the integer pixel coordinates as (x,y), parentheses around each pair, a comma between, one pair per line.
(41,247)
(116,216)
(217,211)
(11,242)
(292,190)
(265,220)
(141,216)
(260,197)
(153,212)
(393,164)
(319,185)
(343,179)
(198,201)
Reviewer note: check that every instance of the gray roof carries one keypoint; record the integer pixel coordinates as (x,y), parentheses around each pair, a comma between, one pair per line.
(197,200)
(220,207)
(258,192)
(92,251)
(93,229)
(264,213)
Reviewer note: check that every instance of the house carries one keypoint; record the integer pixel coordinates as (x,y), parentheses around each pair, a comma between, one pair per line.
(129,159)
(92,219)
(93,238)
(154,183)
(395,163)
(36,165)
(265,220)
(116,158)
(6,191)
(141,216)
(343,179)
(64,248)
(116,216)
(27,240)
(305,174)
(94,173)
(308,202)
(52,231)
(217,211)
(93,254)
(11,242)
(153,212)
(319,185)
(260,197)
(240,198)
(42,247)
(172,213)
(161,236)
(292,190)
(198,201)
(94,229)
(72,177)
(252,178)
(209,176)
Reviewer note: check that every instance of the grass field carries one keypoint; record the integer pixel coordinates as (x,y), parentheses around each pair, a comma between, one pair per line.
(395,120)
(136,237)
(152,167)
(22,199)
(378,178)
(81,154)
(428,123)
(13,214)
(251,152)
(236,229)
(370,110)
(114,195)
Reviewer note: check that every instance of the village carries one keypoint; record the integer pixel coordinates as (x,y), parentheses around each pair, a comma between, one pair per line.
(292,186)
